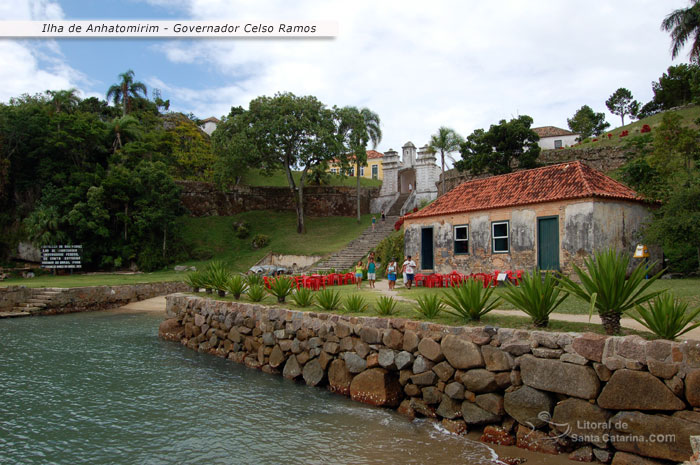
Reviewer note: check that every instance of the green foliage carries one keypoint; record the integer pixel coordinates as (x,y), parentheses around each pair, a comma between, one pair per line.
(256,292)
(241,229)
(386,306)
(675,87)
(390,247)
(445,141)
(676,149)
(666,317)
(127,90)
(281,287)
(684,25)
(303,297)
(587,123)
(429,306)
(355,303)
(196,280)
(328,299)
(470,300)
(535,296)
(621,103)
(236,286)
(255,280)
(496,149)
(217,276)
(606,287)
(260,241)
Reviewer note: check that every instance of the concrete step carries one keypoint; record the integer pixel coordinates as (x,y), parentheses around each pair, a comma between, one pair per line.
(26,309)
(14,314)
(32,303)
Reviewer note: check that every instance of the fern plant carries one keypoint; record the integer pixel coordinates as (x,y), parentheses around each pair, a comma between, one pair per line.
(535,296)
(429,306)
(386,306)
(470,300)
(281,287)
(328,299)
(256,292)
(355,303)
(303,297)
(666,317)
(236,286)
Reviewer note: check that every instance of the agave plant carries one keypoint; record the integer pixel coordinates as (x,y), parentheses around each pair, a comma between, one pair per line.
(236,286)
(303,297)
(195,280)
(256,292)
(281,287)
(536,296)
(355,303)
(386,306)
(606,287)
(667,317)
(328,299)
(217,276)
(470,300)
(255,279)
(429,306)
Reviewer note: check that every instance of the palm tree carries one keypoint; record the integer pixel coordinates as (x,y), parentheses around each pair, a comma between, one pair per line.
(126,90)
(126,127)
(445,141)
(374,134)
(684,25)
(63,100)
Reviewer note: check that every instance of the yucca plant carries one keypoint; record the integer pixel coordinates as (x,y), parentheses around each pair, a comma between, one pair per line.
(355,303)
(470,300)
(236,286)
(535,296)
(606,287)
(666,317)
(281,287)
(328,299)
(218,275)
(386,306)
(256,292)
(195,280)
(303,297)
(255,279)
(429,306)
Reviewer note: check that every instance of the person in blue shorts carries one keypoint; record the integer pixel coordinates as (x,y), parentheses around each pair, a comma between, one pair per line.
(371,271)
(391,273)
(409,267)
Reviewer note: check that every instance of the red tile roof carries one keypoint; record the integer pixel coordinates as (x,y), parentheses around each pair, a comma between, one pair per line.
(552,131)
(564,181)
(374,154)
(212,119)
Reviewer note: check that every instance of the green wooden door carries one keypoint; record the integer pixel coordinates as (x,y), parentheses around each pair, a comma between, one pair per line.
(426,249)
(548,243)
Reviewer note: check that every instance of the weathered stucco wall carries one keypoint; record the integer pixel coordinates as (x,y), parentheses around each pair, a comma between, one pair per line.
(205,199)
(545,391)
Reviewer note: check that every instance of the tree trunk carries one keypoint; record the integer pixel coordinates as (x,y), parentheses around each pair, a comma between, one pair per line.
(126,219)
(611,323)
(442,155)
(357,173)
(165,235)
(297,194)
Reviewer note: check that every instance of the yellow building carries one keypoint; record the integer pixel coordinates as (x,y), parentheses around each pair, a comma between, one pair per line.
(373,169)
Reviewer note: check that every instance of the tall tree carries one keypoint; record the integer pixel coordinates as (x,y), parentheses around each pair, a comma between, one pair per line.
(586,122)
(63,100)
(622,103)
(125,90)
(675,87)
(684,26)
(445,141)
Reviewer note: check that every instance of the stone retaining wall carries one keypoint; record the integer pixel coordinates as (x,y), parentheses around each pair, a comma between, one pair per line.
(13,295)
(596,397)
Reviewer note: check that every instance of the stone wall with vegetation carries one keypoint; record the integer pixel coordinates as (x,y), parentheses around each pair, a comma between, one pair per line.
(206,199)
(596,397)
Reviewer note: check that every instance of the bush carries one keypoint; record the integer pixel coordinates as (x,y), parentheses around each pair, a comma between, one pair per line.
(217,276)
(429,306)
(398,224)
(236,286)
(535,296)
(255,279)
(195,280)
(666,317)
(469,301)
(281,287)
(303,297)
(605,286)
(241,229)
(386,306)
(256,292)
(390,247)
(355,303)
(328,299)
(260,241)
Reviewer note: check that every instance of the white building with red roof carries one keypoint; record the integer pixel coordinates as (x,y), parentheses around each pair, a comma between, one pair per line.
(552,137)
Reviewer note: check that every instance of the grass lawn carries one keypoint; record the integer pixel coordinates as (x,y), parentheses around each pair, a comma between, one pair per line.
(93,279)
(279,179)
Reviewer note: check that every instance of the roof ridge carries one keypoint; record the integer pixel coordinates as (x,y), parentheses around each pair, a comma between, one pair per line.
(586,184)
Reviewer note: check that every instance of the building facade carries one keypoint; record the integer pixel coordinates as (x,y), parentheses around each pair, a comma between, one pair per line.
(552,137)
(372,170)
(209,125)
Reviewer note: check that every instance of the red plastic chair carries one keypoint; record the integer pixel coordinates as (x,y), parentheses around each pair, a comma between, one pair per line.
(349,278)
(420,279)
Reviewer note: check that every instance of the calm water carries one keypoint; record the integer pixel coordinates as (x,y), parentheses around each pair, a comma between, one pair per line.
(101,388)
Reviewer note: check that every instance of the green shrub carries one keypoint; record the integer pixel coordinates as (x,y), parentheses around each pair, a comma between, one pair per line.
(386,306)
(260,241)
(429,306)
(303,297)
(328,299)
(256,292)
(236,286)
(241,229)
(281,287)
(217,276)
(605,286)
(470,300)
(666,317)
(195,280)
(535,296)
(391,247)
(355,303)
(254,279)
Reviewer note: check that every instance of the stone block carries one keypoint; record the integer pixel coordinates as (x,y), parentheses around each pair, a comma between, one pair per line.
(563,378)
(376,386)
(495,359)
(528,406)
(590,346)
(637,390)
(645,435)
(461,353)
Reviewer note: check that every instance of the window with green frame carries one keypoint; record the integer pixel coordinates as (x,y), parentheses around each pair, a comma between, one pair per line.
(461,239)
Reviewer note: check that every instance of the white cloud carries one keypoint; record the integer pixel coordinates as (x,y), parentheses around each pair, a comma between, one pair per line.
(421,65)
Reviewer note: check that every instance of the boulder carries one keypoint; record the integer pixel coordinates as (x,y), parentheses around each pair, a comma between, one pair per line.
(638,390)
(455,391)
(403,359)
(491,403)
(536,441)
(497,435)
(386,358)
(339,378)
(449,408)
(370,335)
(496,360)
(422,408)
(355,363)
(276,357)
(376,386)
(583,454)
(421,364)
(479,380)
(475,415)
(590,346)
(431,395)
(528,406)
(444,370)
(431,350)
(563,378)
(291,369)
(458,427)
(410,341)
(313,373)
(656,436)
(427,378)
(324,359)
(579,418)
(461,353)
(406,409)
(171,329)
(393,339)
(692,388)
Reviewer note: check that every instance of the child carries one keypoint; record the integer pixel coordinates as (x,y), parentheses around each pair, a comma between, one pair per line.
(391,273)
(359,269)
(371,271)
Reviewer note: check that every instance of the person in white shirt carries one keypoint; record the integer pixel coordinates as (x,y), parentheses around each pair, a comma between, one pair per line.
(409,268)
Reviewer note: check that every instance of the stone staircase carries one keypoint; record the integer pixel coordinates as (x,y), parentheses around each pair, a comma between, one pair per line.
(395,209)
(39,300)
(357,248)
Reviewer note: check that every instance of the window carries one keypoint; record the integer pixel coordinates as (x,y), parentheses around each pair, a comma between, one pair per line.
(375,171)
(334,170)
(461,240)
(362,171)
(499,235)
(557,144)
(351,172)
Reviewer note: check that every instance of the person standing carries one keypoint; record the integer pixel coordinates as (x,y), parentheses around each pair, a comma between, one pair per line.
(383,216)
(359,270)
(374,222)
(410,267)
(403,269)
(371,272)
(391,273)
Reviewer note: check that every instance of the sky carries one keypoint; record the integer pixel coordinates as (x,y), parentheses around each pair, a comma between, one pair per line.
(419,65)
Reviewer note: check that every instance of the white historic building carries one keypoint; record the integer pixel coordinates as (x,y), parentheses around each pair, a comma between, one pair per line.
(407,180)
(552,137)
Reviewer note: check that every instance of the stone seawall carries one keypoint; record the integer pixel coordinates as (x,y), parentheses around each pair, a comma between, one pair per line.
(13,295)
(205,199)
(596,397)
